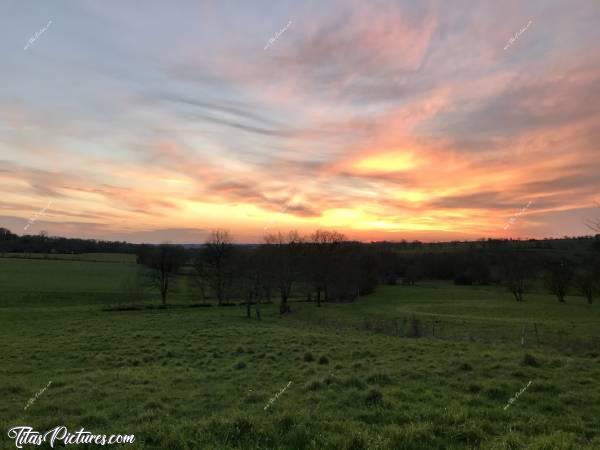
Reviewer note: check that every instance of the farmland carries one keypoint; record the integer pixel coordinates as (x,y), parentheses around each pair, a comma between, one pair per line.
(414,367)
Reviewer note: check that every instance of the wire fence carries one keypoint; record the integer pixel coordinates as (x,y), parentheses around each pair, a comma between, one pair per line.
(525,335)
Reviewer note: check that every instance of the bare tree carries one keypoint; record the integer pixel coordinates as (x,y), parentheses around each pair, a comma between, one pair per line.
(201,275)
(515,273)
(216,263)
(249,272)
(6,235)
(586,283)
(558,278)
(325,246)
(164,261)
(593,224)
(587,275)
(284,252)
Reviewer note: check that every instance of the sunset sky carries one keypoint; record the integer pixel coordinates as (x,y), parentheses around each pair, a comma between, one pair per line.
(158,121)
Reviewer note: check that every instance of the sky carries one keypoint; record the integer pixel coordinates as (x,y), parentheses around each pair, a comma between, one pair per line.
(159,121)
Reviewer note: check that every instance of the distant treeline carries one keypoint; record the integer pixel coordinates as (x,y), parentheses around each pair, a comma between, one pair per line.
(42,243)
(325,266)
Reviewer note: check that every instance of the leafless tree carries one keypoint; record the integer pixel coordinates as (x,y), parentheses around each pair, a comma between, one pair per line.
(586,282)
(593,224)
(201,275)
(515,273)
(284,252)
(164,261)
(249,272)
(6,235)
(216,263)
(325,246)
(558,278)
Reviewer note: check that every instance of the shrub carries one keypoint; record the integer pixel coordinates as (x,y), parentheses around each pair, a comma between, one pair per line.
(308,357)
(466,366)
(374,398)
(240,365)
(323,360)
(529,360)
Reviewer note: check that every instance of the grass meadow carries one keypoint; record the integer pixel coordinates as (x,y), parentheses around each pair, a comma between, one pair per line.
(430,366)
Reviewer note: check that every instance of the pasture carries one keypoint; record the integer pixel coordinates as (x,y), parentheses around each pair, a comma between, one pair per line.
(200,378)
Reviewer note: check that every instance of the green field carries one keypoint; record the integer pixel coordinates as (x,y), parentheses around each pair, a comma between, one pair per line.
(195,378)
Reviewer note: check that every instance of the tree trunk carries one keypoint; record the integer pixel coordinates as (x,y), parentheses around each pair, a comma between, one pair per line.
(163,290)
(219,289)
(284,307)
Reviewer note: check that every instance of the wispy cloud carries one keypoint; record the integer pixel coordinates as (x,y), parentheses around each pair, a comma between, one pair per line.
(404,120)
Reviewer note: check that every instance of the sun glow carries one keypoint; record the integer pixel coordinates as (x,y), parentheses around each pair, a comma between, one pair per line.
(387,162)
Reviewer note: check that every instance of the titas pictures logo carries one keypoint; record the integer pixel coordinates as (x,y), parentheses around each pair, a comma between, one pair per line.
(25,435)
(512,40)
(37,35)
(35,216)
(276,36)
(33,399)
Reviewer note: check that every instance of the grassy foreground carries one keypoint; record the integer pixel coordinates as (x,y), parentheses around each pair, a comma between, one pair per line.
(195,378)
